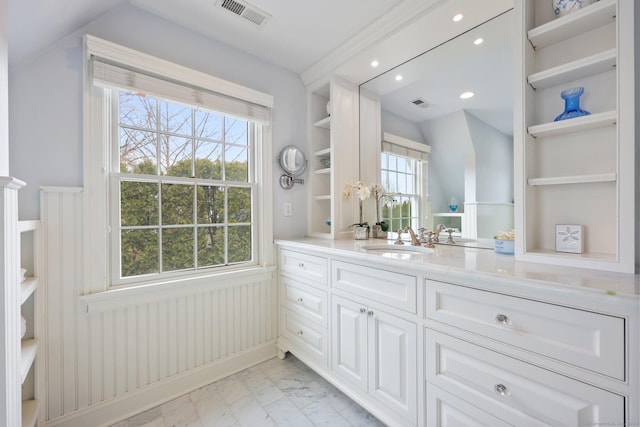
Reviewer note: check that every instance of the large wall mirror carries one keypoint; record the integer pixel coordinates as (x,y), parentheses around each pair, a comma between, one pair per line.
(439,150)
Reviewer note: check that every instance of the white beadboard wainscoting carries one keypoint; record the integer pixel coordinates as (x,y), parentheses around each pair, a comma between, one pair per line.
(107,359)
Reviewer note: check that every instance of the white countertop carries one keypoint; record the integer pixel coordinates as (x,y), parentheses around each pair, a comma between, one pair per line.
(457,260)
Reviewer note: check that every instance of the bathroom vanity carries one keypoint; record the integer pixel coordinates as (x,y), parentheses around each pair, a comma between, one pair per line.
(462,336)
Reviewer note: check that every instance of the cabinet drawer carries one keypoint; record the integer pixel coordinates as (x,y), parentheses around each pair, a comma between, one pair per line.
(308,302)
(517,392)
(589,340)
(304,266)
(445,409)
(394,289)
(311,338)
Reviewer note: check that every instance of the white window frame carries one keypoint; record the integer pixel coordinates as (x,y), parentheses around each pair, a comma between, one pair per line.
(98,155)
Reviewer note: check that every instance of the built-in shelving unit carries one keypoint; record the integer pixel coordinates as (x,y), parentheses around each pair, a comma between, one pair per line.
(29,247)
(333,143)
(581,170)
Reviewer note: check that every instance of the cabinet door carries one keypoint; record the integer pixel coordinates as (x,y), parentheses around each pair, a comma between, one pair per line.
(349,341)
(392,363)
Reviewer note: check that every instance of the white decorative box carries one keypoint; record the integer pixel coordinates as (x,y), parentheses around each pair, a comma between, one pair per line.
(570,238)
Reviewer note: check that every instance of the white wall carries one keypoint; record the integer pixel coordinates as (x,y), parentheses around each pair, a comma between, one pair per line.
(45,97)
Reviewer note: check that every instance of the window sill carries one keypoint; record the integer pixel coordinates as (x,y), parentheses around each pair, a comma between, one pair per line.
(135,295)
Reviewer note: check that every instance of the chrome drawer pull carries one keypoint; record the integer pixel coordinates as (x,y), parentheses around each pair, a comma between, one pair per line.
(301,266)
(363,310)
(501,318)
(370,313)
(501,389)
(300,300)
(299,333)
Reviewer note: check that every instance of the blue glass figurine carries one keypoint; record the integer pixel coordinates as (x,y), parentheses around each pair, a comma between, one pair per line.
(572,104)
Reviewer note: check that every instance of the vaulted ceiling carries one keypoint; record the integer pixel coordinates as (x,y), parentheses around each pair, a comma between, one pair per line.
(295,35)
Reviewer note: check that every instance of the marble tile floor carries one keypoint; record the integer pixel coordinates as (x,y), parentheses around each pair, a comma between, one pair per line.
(283,393)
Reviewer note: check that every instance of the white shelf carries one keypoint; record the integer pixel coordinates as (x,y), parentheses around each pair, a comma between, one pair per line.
(322,171)
(324,123)
(29,412)
(28,225)
(28,350)
(573,24)
(594,64)
(575,179)
(577,124)
(453,214)
(323,197)
(321,153)
(27,288)
(591,256)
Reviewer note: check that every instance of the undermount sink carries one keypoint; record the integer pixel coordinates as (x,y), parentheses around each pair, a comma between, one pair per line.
(403,249)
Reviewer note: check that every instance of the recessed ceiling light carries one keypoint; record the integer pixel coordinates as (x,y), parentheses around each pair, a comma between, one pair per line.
(466,95)
(478,41)
(458,17)
(374,63)
(399,77)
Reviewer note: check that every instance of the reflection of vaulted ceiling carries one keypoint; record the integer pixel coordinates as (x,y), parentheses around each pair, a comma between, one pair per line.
(442,74)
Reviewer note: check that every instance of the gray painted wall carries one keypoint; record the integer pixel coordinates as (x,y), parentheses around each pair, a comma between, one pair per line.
(494,162)
(450,142)
(4,100)
(45,103)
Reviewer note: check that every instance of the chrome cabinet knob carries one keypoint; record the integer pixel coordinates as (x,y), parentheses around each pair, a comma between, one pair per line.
(363,310)
(370,313)
(300,300)
(501,389)
(301,266)
(300,333)
(502,318)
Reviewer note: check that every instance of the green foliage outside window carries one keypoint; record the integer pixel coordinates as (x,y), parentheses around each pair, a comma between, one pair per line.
(185,224)
(398,215)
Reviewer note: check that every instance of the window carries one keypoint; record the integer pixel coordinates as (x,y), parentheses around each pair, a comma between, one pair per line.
(400,175)
(403,171)
(174,166)
(185,187)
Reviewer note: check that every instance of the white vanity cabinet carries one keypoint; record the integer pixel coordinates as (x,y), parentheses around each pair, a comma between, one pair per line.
(497,352)
(438,341)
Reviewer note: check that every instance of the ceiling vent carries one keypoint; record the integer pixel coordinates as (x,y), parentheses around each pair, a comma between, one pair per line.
(245,10)
(419,102)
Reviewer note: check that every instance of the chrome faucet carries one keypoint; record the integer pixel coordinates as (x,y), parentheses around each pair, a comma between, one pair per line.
(436,233)
(414,238)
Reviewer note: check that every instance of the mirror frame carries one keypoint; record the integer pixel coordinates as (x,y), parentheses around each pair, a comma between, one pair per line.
(287,168)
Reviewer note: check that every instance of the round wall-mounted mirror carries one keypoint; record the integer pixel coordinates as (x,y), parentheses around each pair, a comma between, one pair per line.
(292,160)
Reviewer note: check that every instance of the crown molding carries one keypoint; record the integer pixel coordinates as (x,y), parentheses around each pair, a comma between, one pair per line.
(401,15)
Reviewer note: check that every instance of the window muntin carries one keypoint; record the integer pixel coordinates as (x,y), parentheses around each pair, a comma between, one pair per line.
(185,189)
(401,175)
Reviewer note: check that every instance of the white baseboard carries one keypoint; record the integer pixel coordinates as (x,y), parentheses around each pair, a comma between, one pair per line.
(135,402)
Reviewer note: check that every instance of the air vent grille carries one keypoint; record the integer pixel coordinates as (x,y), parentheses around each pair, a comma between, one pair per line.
(419,102)
(245,10)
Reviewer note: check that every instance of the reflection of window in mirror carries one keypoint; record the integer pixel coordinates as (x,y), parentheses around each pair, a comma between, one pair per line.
(404,171)
(401,176)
